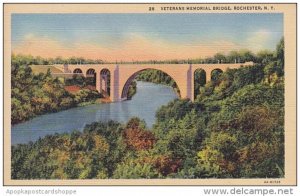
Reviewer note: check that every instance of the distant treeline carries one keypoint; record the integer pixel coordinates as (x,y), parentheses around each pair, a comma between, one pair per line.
(37,60)
(232,57)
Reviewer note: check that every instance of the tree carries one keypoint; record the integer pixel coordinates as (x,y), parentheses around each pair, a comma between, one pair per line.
(136,137)
(218,157)
(276,67)
(264,57)
(279,55)
(133,170)
(259,149)
(220,58)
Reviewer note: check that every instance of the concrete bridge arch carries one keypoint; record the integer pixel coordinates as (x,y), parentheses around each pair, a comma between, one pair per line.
(180,74)
(125,88)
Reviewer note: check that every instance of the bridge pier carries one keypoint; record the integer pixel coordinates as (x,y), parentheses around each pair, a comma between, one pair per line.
(98,86)
(208,75)
(190,83)
(114,84)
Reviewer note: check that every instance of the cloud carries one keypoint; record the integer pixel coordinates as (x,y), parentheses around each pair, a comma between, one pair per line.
(258,40)
(134,47)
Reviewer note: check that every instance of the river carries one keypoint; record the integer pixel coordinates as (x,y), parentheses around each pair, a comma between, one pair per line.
(144,104)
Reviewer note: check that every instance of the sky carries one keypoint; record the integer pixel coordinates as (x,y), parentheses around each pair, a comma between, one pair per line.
(127,37)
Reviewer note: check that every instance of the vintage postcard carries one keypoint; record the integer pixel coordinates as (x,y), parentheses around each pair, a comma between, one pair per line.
(150,94)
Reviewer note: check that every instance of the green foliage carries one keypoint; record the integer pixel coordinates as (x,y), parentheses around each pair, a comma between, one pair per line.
(276,67)
(91,154)
(230,81)
(217,155)
(174,110)
(79,80)
(112,131)
(215,74)
(131,90)
(199,80)
(251,143)
(234,129)
(135,170)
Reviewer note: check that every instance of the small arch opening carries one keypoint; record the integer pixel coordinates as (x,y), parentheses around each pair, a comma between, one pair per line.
(215,74)
(90,73)
(105,82)
(77,71)
(90,77)
(199,81)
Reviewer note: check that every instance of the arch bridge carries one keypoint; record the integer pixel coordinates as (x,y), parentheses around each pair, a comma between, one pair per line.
(119,77)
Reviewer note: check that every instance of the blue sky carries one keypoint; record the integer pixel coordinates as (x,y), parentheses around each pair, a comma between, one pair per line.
(143,36)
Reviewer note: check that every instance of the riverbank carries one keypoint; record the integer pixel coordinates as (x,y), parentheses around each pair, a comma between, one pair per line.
(104,100)
(101,110)
(82,104)
(75,89)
